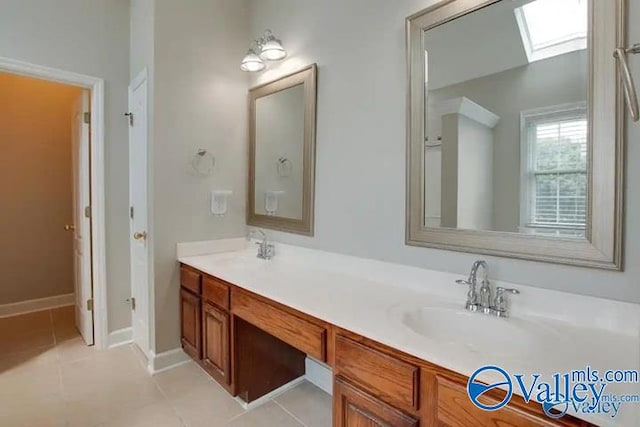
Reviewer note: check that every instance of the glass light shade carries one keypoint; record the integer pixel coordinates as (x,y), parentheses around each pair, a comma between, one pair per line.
(252,62)
(272,50)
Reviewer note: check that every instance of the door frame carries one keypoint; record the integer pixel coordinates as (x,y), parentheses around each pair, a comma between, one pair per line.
(98,227)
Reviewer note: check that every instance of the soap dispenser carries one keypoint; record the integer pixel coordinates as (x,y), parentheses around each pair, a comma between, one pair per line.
(219,201)
(271,202)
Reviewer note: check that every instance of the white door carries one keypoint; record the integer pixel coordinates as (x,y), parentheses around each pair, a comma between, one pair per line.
(81,217)
(140,290)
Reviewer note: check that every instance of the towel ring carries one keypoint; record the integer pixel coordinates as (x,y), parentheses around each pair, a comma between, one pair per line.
(284,167)
(203,162)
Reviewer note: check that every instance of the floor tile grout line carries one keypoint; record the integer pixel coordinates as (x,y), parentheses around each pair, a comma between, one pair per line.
(244,412)
(169,401)
(58,360)
(289,413)
(53,328)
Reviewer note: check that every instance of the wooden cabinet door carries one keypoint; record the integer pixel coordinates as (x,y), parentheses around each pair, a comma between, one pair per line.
(190,324)
(215,342)
(354,408)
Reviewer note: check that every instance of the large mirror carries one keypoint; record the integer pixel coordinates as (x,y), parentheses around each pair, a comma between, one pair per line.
(514,134)
(282,117)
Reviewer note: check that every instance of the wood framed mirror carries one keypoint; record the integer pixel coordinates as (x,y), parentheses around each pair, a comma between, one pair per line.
(515,141)
(282,143)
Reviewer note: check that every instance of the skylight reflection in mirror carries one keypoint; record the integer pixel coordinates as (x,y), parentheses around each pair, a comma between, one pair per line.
(552,27)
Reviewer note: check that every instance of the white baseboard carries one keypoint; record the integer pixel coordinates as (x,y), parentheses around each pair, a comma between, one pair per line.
(267,397)
(319,374)
(167,360)
(24,307)
(120,337)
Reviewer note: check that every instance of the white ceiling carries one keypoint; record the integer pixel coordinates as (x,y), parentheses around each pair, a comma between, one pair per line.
(479,44)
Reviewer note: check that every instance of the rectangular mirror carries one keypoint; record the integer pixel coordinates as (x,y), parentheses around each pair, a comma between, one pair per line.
(515,131)
(282,123)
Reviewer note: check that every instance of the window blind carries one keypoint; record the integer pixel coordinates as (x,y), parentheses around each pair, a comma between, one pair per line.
(559,174)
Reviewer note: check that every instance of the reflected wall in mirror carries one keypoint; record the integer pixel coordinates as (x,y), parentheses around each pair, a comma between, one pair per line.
(506,124)
(509,110)
(282,147)
(279,153)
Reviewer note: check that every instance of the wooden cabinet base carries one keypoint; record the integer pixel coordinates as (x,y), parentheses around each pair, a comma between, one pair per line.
(252,345)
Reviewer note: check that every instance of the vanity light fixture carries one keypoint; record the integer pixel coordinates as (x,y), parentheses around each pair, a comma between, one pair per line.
(252,62)
(269,48)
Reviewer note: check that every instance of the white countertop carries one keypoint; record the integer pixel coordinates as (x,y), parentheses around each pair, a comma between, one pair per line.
(370,298)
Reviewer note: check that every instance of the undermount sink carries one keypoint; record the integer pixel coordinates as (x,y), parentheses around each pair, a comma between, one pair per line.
(478,332)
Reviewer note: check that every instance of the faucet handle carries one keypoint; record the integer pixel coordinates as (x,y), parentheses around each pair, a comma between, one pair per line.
(472,296)
(500,290)
(499,308)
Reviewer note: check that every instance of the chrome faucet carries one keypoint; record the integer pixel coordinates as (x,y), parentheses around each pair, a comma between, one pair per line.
(266,250)
(483,300)
(500,308)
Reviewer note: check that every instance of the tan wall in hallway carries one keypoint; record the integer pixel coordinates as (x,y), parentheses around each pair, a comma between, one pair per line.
(35,188)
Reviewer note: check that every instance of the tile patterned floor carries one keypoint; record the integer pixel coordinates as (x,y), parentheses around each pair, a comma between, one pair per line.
(50,378)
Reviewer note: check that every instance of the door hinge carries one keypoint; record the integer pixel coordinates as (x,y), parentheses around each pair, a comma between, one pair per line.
(130,116)
(90,304)
(87,118)
(87,211)
(132,301)
(131,212)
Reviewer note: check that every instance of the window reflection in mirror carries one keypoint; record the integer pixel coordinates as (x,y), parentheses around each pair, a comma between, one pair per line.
(506,137)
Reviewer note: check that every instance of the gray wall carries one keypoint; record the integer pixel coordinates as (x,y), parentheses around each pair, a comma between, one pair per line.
(558,80)
(87,37)
(360,198)
(200,102)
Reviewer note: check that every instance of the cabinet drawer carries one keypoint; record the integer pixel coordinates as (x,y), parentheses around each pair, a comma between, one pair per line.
(190,279)
(392,380)
(455,409)
(215,291)
(299,333)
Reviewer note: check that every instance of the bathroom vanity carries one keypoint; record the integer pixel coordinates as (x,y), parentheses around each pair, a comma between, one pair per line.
(251,323)
(522,158)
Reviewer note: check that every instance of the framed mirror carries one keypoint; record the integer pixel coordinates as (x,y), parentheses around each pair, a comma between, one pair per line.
(282,134)
(515,130)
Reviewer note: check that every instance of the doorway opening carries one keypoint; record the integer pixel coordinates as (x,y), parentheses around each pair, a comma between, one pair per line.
(52,144)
